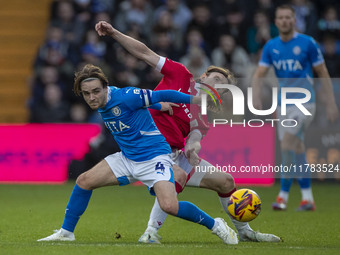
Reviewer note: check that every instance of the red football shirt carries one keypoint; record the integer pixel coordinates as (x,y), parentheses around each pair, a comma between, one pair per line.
(186,118)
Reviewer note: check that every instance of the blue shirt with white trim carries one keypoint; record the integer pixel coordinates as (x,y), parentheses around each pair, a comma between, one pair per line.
(127,118)
(293,62)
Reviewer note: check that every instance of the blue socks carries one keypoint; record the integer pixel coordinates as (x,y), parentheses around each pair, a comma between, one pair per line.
(304,179)
(191,212)
(288,159)
(76,207)
(80,198)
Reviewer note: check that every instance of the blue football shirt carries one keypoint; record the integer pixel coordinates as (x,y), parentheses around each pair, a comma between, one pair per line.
(293,62)
(127,118)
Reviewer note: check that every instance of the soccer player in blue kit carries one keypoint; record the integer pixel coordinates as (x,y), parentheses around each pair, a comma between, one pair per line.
(144,156)
(294,57)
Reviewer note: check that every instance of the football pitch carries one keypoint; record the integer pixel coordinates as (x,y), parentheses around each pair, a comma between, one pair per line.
(117,216)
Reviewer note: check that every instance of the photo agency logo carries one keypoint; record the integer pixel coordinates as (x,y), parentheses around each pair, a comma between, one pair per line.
(239,105)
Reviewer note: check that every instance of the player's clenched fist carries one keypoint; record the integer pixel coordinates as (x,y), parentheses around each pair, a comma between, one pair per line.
(103,28)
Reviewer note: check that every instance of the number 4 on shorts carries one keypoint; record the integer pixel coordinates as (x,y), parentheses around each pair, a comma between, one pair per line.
(159,168)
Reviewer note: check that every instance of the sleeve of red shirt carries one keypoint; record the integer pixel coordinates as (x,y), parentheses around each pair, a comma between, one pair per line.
(176,77)
(173,69)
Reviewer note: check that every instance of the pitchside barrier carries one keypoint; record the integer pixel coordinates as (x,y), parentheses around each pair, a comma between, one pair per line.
(40,153)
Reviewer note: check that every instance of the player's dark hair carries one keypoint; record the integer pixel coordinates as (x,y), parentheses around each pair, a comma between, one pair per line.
(286,6)
(89,71)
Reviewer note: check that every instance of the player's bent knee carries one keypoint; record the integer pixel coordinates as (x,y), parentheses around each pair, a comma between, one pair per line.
(179,175)
(227,184)
(83,182)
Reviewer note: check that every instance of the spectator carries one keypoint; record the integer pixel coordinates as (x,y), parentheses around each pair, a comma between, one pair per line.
(68,21)
(153,77)
(204,23)
(231,56)
(91,55)
(329,22)
(260,32)
(194,38)
(56,51)
(93,43)
(230,18)
(83,10)
(100,16)
(54,39)
(321,5)
(306,17)
(103,6)
(110,56)
(331,52)
(123,77)
(45,76)
(166,24)
(78,113)
(196,61)
(268,7)
(53,108)
(163,43)
(181,14)
(135,12)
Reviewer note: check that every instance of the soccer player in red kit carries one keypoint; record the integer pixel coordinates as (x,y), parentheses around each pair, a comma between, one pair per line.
(184,128)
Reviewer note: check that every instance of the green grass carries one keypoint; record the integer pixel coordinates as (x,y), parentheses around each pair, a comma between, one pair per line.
(28,213)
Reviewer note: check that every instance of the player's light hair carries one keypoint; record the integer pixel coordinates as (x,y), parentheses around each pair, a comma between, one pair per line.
(231,79)
(88,73)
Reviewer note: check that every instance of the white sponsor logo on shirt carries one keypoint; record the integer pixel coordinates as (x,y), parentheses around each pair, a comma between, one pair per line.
(288,64)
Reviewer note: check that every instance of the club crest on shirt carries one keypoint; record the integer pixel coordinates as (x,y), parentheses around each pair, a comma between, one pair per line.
(276,51)
(296,50)
(116,111)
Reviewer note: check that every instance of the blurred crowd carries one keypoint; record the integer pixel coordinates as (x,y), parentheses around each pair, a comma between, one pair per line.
(197,33)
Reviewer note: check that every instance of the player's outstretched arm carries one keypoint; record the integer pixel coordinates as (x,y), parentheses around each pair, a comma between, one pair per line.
(133,46)
(257,83)
(174,97)
(141,98)
(331,107)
